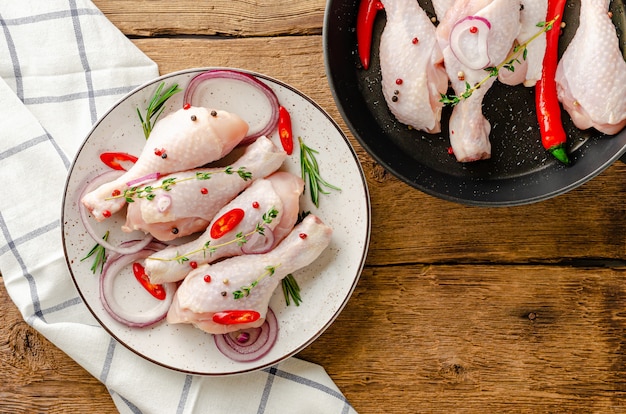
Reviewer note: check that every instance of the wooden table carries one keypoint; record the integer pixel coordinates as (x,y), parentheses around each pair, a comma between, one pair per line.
(458,309)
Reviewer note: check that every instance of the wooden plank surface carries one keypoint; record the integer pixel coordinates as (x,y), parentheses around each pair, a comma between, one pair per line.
(219,17)
(459,309)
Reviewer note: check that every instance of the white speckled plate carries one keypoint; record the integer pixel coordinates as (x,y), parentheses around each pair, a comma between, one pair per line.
(326,285)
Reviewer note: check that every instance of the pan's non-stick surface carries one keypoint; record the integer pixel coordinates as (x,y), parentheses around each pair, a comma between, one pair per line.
(519,172)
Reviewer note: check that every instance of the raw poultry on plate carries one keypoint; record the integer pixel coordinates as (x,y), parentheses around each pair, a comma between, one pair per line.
(240,222)
(278,193)
(185,139)
(475,36)
(253,278)
(189,206)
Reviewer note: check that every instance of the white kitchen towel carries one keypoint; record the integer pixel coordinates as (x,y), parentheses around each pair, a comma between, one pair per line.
(62,65)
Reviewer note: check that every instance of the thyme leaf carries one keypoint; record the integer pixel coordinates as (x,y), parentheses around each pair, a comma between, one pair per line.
(100,255)
(156,106)
(310,172)
(166,185)
(241,172)
(240,239)
(244,291)
(493,71)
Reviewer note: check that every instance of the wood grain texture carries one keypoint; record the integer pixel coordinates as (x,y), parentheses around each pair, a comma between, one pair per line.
(249,18)
(459,309)
(473,338)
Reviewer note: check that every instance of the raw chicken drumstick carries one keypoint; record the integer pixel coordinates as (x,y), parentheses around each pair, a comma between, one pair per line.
(591,76)
(528,69)
(441,7)
(280,191)
(411,65)
(469,129)
(185,139)
(191,203)
(246,282)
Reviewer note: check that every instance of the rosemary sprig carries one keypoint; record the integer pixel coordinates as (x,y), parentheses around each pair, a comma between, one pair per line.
(100,255)
(310,171)
(240,239)
(244,291)
(493,71)
(156,106)
(147,192)
(291,290)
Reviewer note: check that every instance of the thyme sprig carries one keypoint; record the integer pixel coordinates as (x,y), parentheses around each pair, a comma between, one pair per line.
(147,192)
(291,290)
(310,172)
(240,239)
(244,291)
(100,255)
(155,107)
(493,71)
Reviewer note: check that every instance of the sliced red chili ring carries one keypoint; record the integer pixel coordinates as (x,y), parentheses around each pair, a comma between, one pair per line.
(226,222)
(114,159)
(233,317)
(158,291)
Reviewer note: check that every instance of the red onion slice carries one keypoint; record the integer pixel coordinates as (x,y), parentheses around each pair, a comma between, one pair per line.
(121,249)
(163,202)
(259,243)
(146,317)
(145,179)
(268,119)
(259,342)
(469,42)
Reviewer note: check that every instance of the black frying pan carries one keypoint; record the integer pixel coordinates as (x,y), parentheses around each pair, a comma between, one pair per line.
(519,172)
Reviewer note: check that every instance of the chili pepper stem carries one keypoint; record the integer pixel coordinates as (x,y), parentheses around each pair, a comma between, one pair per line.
(560,154)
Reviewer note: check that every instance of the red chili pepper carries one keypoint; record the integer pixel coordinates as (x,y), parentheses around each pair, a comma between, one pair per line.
(553,136)
(284,129)
(155,290)
(226,223)
(364,27)
(233,317)
(113,159)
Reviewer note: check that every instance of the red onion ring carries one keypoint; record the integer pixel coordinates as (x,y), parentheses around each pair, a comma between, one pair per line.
(154,246)
(259,243)
(259,342)
(110,272)
(255,130)
(471,33)
(121,249)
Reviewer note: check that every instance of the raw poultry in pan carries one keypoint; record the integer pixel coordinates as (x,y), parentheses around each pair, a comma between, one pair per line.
(475,36)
